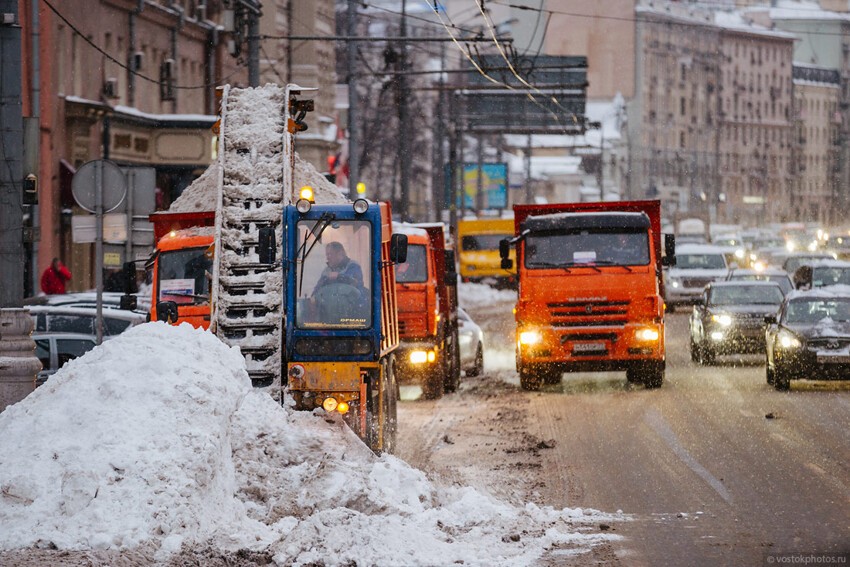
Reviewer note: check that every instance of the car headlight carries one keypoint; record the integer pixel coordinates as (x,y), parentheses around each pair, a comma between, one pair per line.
(739,253)
(647,334)
(785,339)
(722,319)
(530,337)
(674,283)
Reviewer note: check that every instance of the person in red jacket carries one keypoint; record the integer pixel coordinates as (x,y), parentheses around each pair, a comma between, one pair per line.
(54,277)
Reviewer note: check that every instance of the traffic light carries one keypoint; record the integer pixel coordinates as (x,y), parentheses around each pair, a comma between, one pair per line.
(31,190)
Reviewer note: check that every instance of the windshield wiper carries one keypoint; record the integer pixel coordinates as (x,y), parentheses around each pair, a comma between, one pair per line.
(612,263)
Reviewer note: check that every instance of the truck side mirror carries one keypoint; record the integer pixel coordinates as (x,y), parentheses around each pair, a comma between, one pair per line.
(504,248)
(504,252)
(128,270)
(398,249)
(451,271)
(167,311)
(669,258)
(266,246)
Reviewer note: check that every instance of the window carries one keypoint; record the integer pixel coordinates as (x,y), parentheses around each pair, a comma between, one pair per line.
(415,270)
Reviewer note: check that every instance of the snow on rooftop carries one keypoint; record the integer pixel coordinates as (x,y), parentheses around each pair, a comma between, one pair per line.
(803,10)
(156,438)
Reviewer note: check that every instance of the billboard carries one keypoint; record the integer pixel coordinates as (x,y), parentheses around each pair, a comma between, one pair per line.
(494,185)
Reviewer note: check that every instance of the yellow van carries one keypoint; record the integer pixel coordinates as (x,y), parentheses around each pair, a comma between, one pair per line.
(479,251)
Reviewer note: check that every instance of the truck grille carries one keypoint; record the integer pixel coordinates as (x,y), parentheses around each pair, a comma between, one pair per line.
(576,313)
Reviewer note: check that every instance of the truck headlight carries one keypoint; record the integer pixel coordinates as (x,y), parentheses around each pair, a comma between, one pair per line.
(723,319)
(530,337)
(647,334)
(717,335)
(787,340)
(422,356)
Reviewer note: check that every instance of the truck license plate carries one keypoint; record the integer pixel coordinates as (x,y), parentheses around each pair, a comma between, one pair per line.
(589,347)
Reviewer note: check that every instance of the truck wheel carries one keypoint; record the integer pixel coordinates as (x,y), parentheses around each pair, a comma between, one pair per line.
(529,379)
(433,384)
(478,367)
(390,407)
(634,376)
(452,368)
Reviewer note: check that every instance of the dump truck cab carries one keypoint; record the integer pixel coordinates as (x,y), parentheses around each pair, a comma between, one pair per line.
(478,250)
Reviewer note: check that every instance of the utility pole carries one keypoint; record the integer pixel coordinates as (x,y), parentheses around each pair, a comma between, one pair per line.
(353,142)
(11,140)
(254,44)
(439,156)
(403,121)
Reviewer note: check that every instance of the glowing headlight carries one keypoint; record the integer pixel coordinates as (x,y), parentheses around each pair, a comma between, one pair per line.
(790,245)
(530,337)
(787,340)
(342,407)
(674,283)
(739,253)
(724,320)
(418,357)
(717,336)
(759,266)
(647,334)
(329,404)
(307,193)
(813,245)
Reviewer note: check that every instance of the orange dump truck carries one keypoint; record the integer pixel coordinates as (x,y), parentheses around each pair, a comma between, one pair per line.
(426,285)
(590,292)
(182,265)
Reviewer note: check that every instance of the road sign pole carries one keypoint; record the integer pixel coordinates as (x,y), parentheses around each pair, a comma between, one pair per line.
(98,247)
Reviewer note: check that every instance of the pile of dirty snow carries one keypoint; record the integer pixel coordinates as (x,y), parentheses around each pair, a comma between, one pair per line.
(157,438)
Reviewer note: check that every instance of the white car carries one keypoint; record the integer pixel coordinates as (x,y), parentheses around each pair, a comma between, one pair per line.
(61,319)
(56,349)
(471,339)
(697,265)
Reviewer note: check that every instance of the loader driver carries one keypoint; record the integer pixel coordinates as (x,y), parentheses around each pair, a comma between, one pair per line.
(339,294)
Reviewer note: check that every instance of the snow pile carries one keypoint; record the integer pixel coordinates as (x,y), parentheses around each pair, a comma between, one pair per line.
(156,437)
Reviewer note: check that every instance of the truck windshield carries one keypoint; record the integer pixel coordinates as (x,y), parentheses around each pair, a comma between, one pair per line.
(184,276)
(474,243)
(586,247)
(415,270)
(333,275)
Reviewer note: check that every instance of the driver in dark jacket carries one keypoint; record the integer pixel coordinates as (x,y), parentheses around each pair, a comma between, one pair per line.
(341,269)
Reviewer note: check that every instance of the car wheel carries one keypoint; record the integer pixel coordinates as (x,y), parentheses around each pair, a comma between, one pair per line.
(781,381)
(707,355)
(694,351)
(478,367)
(770,374)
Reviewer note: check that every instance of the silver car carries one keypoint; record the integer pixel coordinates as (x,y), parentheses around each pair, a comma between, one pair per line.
(54,350)
(471,339)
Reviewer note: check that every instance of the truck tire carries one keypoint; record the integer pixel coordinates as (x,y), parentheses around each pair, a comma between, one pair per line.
(634,376)
(654,376)
(529,378)
(452,376)
(551,376)
(433,383)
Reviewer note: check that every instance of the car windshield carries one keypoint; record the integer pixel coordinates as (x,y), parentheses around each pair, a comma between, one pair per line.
(586,247)
(823,276)
(184,276)
(415,270)
(784,283)
(333,277)
(701,261)
(473,243)
(812,310)
(746,295)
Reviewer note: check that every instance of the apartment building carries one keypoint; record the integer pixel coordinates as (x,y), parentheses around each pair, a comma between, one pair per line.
(755,136)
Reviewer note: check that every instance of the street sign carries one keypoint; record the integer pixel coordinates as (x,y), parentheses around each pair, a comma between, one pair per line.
(113,183)
(84,228)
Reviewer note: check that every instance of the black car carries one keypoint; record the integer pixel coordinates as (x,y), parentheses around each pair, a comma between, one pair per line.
(730,318)
(809,338)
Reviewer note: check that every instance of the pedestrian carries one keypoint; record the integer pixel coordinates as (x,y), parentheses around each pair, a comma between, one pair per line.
(54,277)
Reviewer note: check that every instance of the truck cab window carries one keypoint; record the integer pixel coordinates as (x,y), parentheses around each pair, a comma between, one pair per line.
(415,270)
(334,275)
(587,247)
(184,276)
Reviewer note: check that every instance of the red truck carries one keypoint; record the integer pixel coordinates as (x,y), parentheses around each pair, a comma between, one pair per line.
(426,286)
(590,294)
